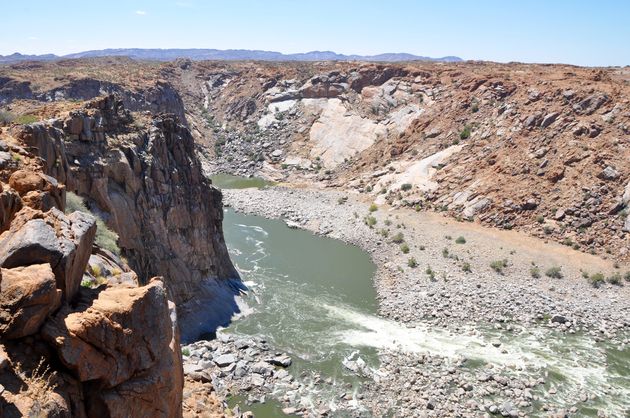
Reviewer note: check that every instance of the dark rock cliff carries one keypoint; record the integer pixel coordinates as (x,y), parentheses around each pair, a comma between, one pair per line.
(147,185)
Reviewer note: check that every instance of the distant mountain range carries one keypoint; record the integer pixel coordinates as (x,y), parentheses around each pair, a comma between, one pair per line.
(223,55)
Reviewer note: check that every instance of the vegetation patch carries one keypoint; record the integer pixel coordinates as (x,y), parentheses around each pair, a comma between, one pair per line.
(597,279)
(554,272)
(105,237)
(499,265)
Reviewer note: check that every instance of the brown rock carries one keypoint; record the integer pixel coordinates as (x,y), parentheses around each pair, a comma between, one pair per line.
(65,242)
(38,190)
(123,343)
(28,295)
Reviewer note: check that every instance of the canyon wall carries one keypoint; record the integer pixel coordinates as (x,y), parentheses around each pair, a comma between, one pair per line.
(538,148)
(75,340)
(87,329)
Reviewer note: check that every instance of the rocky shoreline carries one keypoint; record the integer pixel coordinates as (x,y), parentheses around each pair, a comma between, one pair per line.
(438,292)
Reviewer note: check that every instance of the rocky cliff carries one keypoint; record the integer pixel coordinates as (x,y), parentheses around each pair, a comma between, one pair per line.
(75,340)
(539,148)
(101,331)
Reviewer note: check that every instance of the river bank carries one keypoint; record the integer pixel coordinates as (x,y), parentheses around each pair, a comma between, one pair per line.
(463,334)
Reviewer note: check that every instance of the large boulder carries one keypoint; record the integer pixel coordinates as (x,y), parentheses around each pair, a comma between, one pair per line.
(39,190)
(28,295)
(124,344)
(65,242)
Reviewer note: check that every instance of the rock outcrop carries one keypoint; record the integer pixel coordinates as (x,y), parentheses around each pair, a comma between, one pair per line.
(148,186)
(72,344)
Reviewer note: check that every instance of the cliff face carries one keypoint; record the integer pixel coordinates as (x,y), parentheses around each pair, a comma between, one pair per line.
(76,340)
(147,185)
(538,148)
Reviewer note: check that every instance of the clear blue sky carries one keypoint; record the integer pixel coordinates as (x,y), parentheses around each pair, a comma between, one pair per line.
(580,32)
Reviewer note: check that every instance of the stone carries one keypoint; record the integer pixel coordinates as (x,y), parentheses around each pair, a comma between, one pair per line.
(559,319)
(28,295)
(125,340)
(225,360)
(64,242)
(549,119)
(609,173)
(262,368)
(282,361)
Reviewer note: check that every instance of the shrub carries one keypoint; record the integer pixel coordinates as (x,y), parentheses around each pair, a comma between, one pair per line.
(466,267)
(404,248)
(6,117)
(26,119)
(474,107)
(412,263)
(597,279)
(373,207)
(615,279)
(370,221)
(405,187)
(540,219)
(465,133)
(342,200)
(534,272)
(627,276)
(105,237)
(398,238)
(499,265)
(445,252)
(185,352)
(460,240)
(96,270)
(554,272)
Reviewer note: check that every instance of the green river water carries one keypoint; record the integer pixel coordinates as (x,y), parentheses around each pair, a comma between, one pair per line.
(313,298)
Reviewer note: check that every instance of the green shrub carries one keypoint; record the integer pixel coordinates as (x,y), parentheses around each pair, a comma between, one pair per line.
(105,237)
(466,267)
(499,265)
(540,219)
(627,276)
(26,119)
(370,221)
(412,263)
(398,238)
(615,279)
(6,117)
(342,200)
(465,133)
(373,207)
(404,248)
(445,252)
(460,240)
(534,272)
(597,279)
(554,272)
(405,187)
(185,352)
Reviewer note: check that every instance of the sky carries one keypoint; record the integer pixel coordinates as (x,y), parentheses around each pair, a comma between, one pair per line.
(593,33)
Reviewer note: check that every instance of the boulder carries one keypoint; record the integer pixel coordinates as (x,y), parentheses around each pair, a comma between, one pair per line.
(28,295)
(123,341)
(549,119)
(65,242)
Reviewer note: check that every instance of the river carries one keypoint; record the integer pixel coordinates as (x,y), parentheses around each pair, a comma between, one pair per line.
(313,298)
